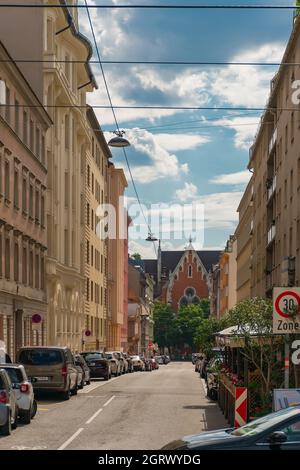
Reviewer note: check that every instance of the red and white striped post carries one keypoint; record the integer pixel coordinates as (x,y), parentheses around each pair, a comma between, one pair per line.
(241,406)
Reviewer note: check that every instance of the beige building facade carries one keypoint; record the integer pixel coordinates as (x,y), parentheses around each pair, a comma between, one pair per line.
(243,235)
(23,240)
(275,160)
(94,193)
(65,87)
(228,276)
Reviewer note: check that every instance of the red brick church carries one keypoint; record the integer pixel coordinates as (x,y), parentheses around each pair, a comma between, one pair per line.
(182,277)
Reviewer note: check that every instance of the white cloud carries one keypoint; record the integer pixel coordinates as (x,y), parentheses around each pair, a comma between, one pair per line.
(163,164)
(178,142)
(245,129)
(220,209)
(240,177)
(189,192)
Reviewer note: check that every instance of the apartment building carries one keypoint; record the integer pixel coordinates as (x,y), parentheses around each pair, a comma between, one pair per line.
(243,235)
(116,258)
(228,276)
(94,193)
(275,160)
(23,239)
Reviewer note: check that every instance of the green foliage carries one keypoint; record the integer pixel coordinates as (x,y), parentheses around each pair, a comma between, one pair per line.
(136,256)
(204,335)
(163,324)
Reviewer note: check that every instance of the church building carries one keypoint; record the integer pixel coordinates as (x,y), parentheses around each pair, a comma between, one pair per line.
(182,277)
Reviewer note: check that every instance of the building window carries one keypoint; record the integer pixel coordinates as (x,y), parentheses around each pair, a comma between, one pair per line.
(7,258)
(31,268)
(88,214)
(49,35)
(24,195)
(92,220)
(67,131)
(88,252)
(16,189)
(87,289)
(43,211)
(31,135)
(25,127)
(1,255)
(92,291)
(24,265)
(37,143)
(37,205)
(16,262)
(67,189)
(92,255)
(101,263)
(42,272)
(43,150)
(88,175)
(66,246)
(37,271)
(7,181)
(101,295)
(17,117)
(7,102)
(93,183)
(31,200)
(68,68)
(190,271)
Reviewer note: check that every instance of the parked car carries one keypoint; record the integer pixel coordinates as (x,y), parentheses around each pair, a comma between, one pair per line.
(138,364)
(80,374)
(200,365)
(8,404)
(85,368)
(148,364)
(98,364)
(50,368)
(154,363)
(275,431)
(166,359)
(115,363)
(123,362)
(159,360)
(24,391)
(129,361)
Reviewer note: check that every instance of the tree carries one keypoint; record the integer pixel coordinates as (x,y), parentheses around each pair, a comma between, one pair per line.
(163,324)
(205,334)
(253,318)
(188,319)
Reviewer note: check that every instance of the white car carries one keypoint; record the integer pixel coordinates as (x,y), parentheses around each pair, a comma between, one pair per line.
(137,363)
(23,390)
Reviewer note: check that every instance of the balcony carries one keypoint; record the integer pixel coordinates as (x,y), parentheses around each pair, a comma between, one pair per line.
(271,233)
(271,187)
(273,141)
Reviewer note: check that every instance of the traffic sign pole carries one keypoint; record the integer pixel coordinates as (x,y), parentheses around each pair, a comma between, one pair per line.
(287,362)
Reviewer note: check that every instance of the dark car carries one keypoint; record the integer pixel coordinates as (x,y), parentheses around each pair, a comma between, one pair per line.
(50,368)
(275,431)
(79,361)
(98,364)
(129,361)
(166,359)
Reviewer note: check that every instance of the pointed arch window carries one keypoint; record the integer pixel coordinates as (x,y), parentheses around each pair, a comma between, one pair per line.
(190,271)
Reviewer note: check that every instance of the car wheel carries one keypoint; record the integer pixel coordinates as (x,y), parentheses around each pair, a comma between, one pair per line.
(74,390)
(33,409)
(66,394)
(6,429)
(88,382)
(106,377)
(15,423)
(26,416)
(81,384)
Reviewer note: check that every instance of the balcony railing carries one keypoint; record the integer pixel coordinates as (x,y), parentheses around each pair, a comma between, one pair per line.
(271,233)
(273,141)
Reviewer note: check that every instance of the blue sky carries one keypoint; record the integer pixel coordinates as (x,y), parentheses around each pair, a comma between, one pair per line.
(202,159)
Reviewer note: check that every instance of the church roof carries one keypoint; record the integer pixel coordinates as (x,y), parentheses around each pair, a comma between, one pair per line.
(170,259)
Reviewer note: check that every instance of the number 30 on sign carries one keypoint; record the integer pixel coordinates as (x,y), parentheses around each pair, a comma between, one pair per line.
(286,309)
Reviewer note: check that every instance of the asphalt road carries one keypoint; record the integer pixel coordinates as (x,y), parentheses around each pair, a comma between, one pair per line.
(144,410)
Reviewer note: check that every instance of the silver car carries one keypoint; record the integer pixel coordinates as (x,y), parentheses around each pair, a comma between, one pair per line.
(8,404)
(24,391)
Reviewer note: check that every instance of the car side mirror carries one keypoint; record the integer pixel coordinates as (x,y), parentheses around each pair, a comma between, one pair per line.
(277,437)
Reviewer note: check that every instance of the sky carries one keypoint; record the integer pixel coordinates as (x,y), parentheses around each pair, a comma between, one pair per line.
(185,157)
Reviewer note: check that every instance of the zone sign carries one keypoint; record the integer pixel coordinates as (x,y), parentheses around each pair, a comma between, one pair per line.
(286,310)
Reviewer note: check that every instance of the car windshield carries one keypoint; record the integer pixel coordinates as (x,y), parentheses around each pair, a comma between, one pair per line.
(109,356)
(135,357)
(40,357)
(262,424)
(93,356)
(15,375)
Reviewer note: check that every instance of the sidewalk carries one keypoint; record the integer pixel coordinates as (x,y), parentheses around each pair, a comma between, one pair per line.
(212,415)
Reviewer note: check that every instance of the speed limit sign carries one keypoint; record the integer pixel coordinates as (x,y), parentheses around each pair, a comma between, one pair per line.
(286,310)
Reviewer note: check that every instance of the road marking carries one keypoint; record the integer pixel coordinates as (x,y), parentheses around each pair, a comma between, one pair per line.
(108,402)
(65,444)
(94,416)
(28,448)
(42,409)
(92,387)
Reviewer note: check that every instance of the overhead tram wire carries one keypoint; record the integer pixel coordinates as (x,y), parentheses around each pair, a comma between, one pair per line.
(153,62)
(116,122)
(154,7)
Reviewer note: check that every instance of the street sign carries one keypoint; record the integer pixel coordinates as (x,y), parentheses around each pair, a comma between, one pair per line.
(87,333)
(36,318)
(286,309)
